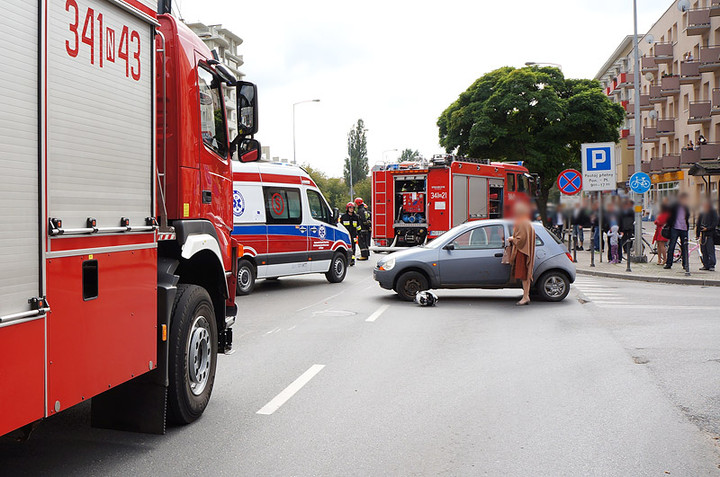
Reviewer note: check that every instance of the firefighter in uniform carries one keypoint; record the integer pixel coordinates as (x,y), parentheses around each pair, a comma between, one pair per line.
(365,226)
(351,222)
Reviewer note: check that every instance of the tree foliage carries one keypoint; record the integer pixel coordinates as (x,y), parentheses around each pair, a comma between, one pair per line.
(357,153)
(408,155)
(530,114)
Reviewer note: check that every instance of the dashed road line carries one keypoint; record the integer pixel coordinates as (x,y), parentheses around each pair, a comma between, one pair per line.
(377,313)
(276,402)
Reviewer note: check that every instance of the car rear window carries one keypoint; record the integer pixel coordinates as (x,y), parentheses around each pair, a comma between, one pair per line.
(555,237)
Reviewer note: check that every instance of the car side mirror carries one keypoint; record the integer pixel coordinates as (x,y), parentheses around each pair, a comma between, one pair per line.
(336,215)
(249,150)
(247,108)
(449,247)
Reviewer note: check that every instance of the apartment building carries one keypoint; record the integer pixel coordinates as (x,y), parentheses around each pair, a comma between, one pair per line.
(226,44)
(679,99)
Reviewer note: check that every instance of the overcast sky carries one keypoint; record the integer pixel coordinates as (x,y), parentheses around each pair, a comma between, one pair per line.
(398,64)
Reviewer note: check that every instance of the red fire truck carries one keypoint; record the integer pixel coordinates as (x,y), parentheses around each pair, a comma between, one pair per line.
(118,267)
(418,201)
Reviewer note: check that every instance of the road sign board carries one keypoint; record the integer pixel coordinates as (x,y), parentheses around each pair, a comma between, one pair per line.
(598,166)
(640,183)
(570,182)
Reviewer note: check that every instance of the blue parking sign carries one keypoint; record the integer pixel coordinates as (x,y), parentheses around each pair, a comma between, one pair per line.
(598,159)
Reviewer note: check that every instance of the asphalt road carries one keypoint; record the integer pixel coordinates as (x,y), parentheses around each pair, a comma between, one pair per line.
(620,379)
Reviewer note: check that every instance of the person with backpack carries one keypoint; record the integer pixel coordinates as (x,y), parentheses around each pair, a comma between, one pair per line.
(365,226)
(705,232)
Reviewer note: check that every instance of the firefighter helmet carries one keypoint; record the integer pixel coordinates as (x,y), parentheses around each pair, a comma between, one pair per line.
(426,298)
(359,201)
(349,204)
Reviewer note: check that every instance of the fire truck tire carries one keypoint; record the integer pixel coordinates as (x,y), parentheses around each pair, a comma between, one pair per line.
(193,354)
(410,283)
(245,277)
(338,268)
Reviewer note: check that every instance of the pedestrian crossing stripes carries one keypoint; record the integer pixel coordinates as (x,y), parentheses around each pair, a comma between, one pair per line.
(610,296)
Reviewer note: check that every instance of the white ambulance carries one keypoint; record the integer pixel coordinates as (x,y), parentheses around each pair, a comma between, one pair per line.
(285,225)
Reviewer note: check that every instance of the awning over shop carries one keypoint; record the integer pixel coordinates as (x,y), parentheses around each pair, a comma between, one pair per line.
(705,168)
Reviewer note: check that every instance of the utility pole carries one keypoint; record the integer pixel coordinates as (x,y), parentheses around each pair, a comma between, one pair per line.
(637,249)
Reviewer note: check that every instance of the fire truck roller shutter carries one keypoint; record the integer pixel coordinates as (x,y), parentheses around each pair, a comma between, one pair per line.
(22,341)
(99,113)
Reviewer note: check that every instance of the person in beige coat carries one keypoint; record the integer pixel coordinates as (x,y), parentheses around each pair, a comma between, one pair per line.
(522,255)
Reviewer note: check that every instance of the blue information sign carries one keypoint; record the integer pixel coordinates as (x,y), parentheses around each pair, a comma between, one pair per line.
(640,183)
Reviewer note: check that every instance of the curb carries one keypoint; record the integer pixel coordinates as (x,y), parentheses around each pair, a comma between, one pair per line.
(647,278)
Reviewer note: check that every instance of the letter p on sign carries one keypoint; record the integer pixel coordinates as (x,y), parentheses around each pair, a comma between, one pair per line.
(598,159)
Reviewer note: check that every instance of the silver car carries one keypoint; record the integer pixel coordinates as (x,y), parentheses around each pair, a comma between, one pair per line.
(470,256)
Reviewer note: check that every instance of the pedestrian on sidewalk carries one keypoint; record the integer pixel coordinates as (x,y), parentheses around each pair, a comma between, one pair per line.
(610,218)
(522,255)
(658,239)
(705,233)
(679,222)
(627,226)
(579,221)
(614,239)
(595,226)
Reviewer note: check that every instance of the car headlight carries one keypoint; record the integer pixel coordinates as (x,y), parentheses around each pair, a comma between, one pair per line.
(387,265)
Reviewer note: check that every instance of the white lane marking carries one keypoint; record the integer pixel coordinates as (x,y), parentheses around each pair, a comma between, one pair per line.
(656,307)
(320,302)
(272,331)
(290,391)
(292,327)
(377,313)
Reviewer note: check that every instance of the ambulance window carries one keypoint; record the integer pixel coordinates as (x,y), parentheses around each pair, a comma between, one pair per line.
(212,112)
(282,206)
(318,208)
(511,182)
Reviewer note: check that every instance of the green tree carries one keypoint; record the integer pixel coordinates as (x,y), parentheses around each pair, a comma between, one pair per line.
(357,154)
(531,114)
(363,189)
(408,155)
(333,188)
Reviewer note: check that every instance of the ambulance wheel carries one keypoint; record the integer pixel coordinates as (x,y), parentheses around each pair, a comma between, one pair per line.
(338,268)
(193,354)
(245,277)
(409,283)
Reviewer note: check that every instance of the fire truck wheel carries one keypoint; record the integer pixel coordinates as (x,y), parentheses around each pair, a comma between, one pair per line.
(409,283)
(245,277)
(338,268)
(553,286)
(193,354)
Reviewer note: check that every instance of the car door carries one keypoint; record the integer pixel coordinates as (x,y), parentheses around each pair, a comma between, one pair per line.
(474,258)
(320,232)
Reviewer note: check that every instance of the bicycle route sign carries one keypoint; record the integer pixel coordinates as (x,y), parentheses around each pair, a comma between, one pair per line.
(598,166)
(640,183)
(570,182)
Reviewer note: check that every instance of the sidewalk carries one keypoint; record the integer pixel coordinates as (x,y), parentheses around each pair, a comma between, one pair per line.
(648,272)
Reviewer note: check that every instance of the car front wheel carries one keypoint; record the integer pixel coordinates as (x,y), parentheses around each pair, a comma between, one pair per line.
(410,283)
(553,286)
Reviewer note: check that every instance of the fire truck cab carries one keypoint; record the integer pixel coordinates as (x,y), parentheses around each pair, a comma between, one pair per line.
(416,202)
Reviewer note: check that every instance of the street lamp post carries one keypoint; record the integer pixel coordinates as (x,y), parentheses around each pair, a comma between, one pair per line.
(295,104)
(637,249)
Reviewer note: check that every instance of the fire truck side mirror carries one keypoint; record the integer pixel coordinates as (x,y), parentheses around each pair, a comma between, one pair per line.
(247,107)
(249,150)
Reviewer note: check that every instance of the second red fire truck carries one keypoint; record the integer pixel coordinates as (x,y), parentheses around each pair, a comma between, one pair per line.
(417,201)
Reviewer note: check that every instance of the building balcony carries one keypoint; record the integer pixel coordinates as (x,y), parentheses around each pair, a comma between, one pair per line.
(631,142)
(715,8)
(709,59)
(645,103)
(670,85)
(666,127)
(689,157)
(690,72)
(699,112)
(698,21)
(625,133)
(656,95)
(656,164)
(664,53)
(650,135)
(626,80)
(648,65)
(670,162)
(645,167)
(715,109)
(709,151)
